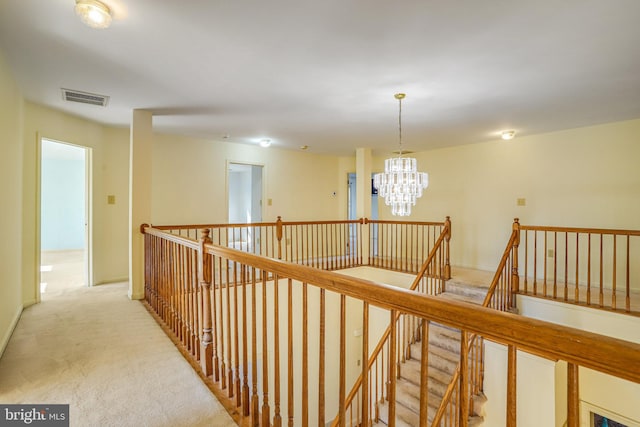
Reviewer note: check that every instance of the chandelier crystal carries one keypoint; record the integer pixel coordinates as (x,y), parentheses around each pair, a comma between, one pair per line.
(401,184)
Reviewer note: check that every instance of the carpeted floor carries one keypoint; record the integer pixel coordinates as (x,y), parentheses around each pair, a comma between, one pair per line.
(104,355)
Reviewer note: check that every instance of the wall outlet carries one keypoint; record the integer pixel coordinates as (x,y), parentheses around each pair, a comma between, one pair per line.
(111,199)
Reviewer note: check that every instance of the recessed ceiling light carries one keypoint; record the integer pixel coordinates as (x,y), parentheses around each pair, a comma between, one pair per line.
(508,134)
(94,13)
(265,143)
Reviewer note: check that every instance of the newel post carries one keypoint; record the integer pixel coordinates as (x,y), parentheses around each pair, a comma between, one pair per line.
(515,280)
(204,277)
(279,236)
(447,265)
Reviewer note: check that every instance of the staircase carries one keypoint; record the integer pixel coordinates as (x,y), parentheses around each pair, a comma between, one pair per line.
(444,354)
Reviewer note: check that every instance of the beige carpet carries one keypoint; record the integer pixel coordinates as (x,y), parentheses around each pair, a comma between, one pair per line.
(104,355)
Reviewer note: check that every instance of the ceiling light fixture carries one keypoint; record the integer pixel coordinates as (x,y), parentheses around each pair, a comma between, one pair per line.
(400,184)
(265,143)
(94,13)
(508,134)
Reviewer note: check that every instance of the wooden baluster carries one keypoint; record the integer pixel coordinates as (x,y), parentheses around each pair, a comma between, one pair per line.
(545,265)
(577,291)
(535,262)
(265,356)
(290,406)
(615,267)
(343,366)
(512,357)
(391,392)
(279,236)
(277,419)
(447,264)
(424,375)
(463,408)
(555,265)
(321,361)
(589,270)
(305,358)
(365,364)
(223,282)
(214,317)
(236,334)
(230,383)
(601,294)
(245,363)
(628,292)
(377,394)
(566,266)
(573,398)
(255,401)
(206,343)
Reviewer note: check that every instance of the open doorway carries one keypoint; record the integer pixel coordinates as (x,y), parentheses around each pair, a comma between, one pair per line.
(64,217)
(351,209)
(244,190)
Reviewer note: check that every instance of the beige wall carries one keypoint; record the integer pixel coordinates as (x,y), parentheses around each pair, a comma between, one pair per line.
(11,116)
(189,181)
(109,176)
(580,177)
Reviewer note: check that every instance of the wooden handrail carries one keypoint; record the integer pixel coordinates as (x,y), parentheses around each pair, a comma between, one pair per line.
(580,230)
(500,269)
(605,354)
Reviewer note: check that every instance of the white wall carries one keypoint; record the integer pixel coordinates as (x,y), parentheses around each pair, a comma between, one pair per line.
(11,117)
(586,177)
(189,181)
(110,152)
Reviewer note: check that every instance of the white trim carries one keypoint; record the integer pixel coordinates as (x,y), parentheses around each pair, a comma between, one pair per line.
(12,327)
(587,408)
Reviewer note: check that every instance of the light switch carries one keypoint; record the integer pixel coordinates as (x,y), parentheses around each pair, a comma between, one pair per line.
(111,199)
(521,201)
(269,202)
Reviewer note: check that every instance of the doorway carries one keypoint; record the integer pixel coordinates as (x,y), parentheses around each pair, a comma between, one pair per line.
(64,217)
(244,195)
(351,210)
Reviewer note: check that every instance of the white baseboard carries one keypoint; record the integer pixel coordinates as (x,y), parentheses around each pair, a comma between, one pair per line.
(9,332)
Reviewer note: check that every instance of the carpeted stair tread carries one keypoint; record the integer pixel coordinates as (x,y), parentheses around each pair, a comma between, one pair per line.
(471,299)
(410,370)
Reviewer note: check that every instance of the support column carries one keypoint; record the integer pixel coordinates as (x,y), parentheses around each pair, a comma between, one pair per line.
(140,150)
(363,195)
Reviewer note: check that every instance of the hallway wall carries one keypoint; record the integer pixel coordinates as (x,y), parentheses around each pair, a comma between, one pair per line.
(110,150)
(11,116)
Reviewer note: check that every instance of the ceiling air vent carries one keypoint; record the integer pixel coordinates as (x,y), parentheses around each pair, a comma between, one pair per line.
(84,97)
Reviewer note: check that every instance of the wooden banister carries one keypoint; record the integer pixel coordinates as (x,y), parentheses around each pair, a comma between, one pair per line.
(175,290)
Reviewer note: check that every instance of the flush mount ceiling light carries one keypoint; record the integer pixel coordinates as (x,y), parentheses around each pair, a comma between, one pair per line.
(508,134)
(94,13)
(400,184)
(265,143)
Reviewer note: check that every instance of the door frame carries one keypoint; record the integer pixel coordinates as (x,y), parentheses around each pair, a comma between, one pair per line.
(88,211)
(226,187)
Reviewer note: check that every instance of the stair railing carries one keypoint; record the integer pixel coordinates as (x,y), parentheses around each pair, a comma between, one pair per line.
(467,379)
(585,266)
(383,366)
(273,336)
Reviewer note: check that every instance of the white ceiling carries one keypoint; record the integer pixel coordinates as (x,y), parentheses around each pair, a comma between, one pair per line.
(323,73)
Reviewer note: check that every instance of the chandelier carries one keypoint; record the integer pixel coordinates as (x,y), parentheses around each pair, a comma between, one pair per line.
(400,184)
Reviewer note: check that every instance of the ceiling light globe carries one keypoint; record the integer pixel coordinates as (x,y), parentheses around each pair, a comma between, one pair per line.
(94,13)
